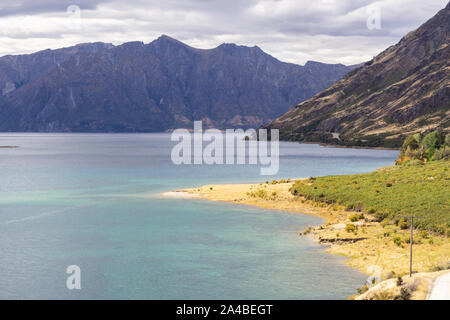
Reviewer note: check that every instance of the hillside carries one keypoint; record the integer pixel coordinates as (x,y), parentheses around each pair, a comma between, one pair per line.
(157,86)
(393,193)
(402,91)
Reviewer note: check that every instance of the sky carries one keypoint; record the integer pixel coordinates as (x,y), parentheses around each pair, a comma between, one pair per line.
(330,31)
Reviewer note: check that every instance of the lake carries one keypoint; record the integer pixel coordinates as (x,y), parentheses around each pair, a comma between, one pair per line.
(93,200)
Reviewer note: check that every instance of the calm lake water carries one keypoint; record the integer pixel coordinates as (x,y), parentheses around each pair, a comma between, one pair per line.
(92,200)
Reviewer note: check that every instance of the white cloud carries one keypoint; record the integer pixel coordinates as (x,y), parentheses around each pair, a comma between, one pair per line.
(292,30)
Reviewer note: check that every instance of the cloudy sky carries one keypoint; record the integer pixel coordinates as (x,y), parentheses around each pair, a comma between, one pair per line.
(333,31)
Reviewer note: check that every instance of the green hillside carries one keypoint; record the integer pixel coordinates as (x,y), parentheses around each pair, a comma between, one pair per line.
(390,194)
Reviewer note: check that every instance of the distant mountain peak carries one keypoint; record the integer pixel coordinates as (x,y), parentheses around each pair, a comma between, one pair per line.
(165,40)
(237,47)
(162,85)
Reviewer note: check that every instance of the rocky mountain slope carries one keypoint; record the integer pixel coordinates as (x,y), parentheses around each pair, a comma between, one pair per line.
(404,90)
(158,86)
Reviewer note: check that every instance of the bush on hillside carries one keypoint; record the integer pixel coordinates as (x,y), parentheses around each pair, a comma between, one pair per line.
(432,147)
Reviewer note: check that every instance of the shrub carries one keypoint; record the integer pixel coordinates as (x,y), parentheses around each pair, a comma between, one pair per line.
(363,289)
(402,224)
(424,234)
(307,231)
(430,143)
(260,193)
(397,240)
(405,294)
(408,240)
(380,216)
(442,153)
(350,228)
(356,217)
(412,142)
(385,223)
(431,147)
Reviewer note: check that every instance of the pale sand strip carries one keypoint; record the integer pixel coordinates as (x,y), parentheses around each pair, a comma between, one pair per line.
(180,195)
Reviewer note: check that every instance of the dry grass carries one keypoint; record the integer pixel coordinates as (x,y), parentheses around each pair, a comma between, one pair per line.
(417,286)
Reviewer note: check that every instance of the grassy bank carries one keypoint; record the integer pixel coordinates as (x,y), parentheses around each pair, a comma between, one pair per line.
(391,194)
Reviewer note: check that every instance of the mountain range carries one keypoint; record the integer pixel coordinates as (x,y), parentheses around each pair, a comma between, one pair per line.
(402,91)
(159,86)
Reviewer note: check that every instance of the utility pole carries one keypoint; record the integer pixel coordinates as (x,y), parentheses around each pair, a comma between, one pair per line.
(411,246)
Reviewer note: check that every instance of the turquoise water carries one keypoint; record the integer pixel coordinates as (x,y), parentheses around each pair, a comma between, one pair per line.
(93,200)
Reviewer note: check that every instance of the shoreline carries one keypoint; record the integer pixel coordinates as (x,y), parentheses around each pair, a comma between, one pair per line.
(366,250)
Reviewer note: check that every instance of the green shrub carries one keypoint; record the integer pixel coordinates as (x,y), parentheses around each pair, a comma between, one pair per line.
(431,147)
(412,142)
(356,217)
(423,234)
(350,228)
(402,224)
(430,143)
(385,223)
(447,140)
(442,153)
(380,216)
(397,240)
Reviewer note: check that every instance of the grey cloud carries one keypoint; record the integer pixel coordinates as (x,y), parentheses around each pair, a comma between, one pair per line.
(26,7)
(291,30)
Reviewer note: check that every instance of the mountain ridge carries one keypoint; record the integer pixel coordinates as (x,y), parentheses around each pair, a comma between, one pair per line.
(158,86)
(403,90)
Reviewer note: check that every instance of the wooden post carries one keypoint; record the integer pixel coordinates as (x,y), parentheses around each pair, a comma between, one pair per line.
(411,247)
